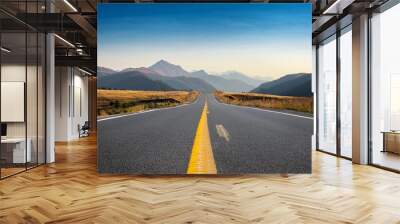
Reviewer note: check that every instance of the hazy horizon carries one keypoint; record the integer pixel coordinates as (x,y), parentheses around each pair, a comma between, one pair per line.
(199,69)
(259,40)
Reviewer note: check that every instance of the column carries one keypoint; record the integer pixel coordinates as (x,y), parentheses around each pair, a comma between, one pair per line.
(360,90)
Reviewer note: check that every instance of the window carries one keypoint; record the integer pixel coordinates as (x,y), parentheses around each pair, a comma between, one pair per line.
(385,89)
(346,92)
(327,95)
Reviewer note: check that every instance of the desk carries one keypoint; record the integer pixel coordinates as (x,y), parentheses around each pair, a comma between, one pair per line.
(391,141)
(18,151)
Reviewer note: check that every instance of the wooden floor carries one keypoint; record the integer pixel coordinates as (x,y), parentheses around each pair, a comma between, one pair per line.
(71,191)
(387,159)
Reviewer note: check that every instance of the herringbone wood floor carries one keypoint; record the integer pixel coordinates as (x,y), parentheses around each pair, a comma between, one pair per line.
(71,191)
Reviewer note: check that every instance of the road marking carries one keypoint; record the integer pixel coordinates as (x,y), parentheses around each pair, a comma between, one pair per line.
(222,132)
(144,111)
(202,158)
(266,110)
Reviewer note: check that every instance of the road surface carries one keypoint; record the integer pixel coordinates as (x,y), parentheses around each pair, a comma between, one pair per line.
(232,139)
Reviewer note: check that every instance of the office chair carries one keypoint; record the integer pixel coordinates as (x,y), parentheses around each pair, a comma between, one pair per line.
(84,130)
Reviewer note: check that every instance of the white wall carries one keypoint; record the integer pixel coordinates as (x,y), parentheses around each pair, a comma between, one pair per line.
(62,83)
(71,87)
(33,126)
(80,104)
(15,73)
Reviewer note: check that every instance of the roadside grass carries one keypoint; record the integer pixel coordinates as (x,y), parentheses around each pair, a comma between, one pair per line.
(302,104)
(111,102)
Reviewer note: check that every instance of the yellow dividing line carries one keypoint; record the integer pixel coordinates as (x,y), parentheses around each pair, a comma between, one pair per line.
(202,158)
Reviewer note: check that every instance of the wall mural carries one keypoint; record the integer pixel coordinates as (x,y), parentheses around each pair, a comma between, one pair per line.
(204,88)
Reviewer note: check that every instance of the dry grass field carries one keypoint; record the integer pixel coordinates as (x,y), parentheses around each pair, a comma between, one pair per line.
(111,102)
(302,104)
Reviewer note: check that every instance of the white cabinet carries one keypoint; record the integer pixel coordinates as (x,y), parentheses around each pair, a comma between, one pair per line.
(19,154)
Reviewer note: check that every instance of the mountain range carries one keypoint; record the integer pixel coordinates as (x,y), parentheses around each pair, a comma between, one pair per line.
(166,76)
(172,76)
(298,84)
(244,78)
(103,71)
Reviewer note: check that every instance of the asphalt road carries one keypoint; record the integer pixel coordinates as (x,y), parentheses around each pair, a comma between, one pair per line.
(244,140)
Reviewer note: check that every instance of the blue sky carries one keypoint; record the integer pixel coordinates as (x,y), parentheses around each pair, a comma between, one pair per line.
(256,39)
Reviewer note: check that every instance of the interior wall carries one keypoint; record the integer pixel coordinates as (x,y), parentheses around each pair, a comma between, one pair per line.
(62,82)
(33,125)
(92,91)
(16,73)
(80,104)
(71,102)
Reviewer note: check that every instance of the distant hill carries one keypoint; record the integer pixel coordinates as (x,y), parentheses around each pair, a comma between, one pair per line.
(220,83)
(188,83)
(174,76)
(132,80)
(289,85)
(142,70)
(233,75)
(146,79)
(103,71)
(167,69)
(170,70)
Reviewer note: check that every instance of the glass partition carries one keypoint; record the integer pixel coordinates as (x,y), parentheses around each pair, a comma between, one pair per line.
(385,89)
(14,153)
(327,95)
(22,93)
(346,93)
